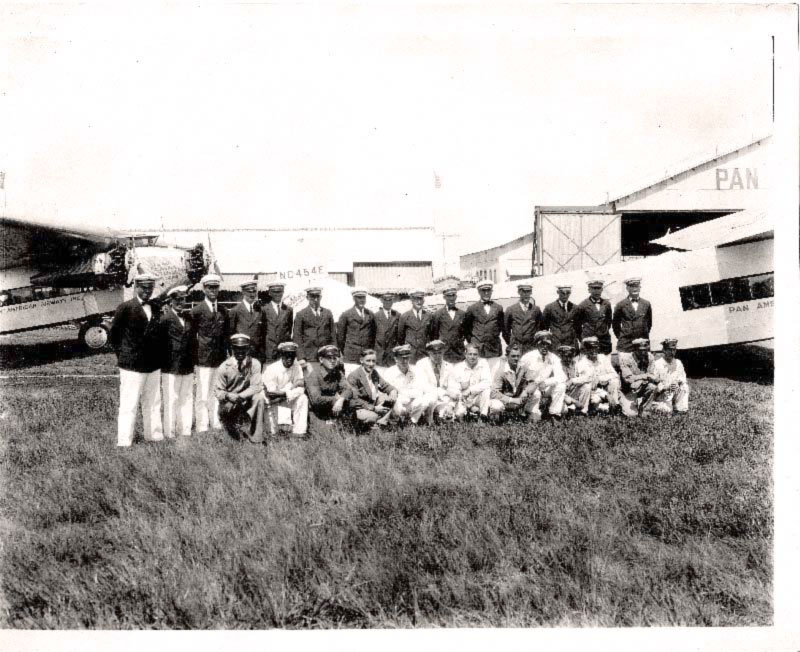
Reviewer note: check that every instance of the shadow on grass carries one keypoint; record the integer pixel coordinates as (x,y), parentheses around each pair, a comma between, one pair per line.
(746,363)
(27,354)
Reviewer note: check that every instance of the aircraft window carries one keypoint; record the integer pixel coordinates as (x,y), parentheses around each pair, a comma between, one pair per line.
(727,291)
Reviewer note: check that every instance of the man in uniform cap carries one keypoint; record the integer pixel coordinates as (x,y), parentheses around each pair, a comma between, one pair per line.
(578,384)
(313,327)
(287,403)
(278,320)
(386,321)
(177,381)
(592,317)
(543,369)
(373,398)
(414,326)
(633,317)
(209,336)
(523,319)
(471,382)
(329,393)
(356,328)
(447,325)
(246,317)
(412,400)
(558,317)
(239,392)
(134,338)
(433,376)
(639,382)
(484,324)
(512,396)
(604,395)
(672,392)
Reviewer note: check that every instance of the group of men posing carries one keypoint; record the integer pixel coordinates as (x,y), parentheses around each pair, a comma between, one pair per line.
(305,372)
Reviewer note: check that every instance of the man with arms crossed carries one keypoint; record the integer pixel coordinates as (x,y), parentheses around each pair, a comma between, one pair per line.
(285,377)
(512,397)
(239,392)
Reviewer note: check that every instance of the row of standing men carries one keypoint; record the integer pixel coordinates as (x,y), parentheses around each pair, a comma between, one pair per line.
(187,349)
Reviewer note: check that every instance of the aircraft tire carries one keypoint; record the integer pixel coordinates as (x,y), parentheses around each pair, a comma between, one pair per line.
(94,336)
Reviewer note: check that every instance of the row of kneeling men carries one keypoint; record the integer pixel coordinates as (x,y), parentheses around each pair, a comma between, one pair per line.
(250,401)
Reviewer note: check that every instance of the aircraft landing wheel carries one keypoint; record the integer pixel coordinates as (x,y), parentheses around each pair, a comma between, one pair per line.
(93,336)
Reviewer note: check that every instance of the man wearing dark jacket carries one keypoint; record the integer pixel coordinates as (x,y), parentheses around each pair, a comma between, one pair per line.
(356,328)
(592,317)
(633,317)
(373,398)
(247,318)
(558,318)
(414,326)
(278,320)
(386,319)
(484,324)
(328,391)
(209,336)
(447,325)
(313,328)
(134,338)
(523,319)
(177,382)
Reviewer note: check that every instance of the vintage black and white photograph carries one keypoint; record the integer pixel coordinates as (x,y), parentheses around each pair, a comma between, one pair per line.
(392,316)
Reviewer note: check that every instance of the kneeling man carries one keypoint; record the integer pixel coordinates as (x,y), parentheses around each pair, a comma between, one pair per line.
(433,376)
(672,392)
(238,389)
(512,396)
(471,381)
(412,401)
(604,395)
(544,370)
(373,398)
(639,383)
(578,386)
(329,394)
(287,403)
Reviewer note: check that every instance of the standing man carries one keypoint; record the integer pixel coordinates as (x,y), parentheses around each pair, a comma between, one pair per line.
(639,382)
(386,320)
(356,328)
(512,396)
(329,393)
(592,317)
(313,328)
(246,318)
(177,366)
(633,317)
(484,323)
(209,335)
(447,325)
(523,319)
(238,390)
(414,326)
(558,318)
(277,322)
(134,338)
(285,377)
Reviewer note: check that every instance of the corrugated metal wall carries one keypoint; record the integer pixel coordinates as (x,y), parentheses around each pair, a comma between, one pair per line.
(378,277)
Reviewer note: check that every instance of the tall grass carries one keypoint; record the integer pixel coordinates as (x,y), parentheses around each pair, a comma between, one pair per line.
(663,521)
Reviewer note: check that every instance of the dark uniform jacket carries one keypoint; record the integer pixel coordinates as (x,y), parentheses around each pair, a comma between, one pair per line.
(312,332)
(250,324)
(362,398)
(450,331)
(355,334)
(560,323)
(590,321)
(629,324)
(484,330)
(176,343)
(277,329)
(385,336)
(134,338)
(414,332)
(324,388)
(521,325)
(209,335)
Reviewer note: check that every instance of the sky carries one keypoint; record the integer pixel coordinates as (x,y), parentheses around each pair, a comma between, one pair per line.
(342,114)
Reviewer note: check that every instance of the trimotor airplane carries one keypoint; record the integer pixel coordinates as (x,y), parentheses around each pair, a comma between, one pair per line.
(716,290)
(52,275)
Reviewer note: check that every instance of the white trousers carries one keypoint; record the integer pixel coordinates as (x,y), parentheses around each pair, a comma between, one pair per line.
(556,392)
(293,412)
(494,363)
(136,388)
(206,411)
(578,395)
(440,406)
(176,396)
(412,404)
(667,401)
(481,401)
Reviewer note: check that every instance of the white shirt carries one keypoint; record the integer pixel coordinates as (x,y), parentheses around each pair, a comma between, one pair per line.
(487,308)
(278,378)
(276,308)
(212,306)
(148,309)
(426,376)
(452,313)
(402,382)
(248,305)
(668,373)
(475,379)
(385,313)
(548,369)
(599,371)
(180,319)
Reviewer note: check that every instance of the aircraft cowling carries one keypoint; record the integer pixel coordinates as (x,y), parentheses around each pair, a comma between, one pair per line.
(171,266)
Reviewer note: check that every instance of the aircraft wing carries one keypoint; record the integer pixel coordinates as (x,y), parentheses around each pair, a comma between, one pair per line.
(744,226)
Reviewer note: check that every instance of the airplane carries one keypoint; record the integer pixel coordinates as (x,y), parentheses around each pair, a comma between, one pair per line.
(714,287)
(52,275)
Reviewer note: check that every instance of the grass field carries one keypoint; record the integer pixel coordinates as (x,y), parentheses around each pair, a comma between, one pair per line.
(613,522)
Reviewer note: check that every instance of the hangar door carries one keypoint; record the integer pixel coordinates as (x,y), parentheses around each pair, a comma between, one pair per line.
(571,241)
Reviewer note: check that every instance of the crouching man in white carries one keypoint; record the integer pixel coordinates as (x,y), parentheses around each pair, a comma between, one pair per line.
(433,375)
(672,392)
(412,401)
(472,382)
(544,370)
(287,403)
(578,387)
(512,396)
(134,338)
(604,397)
(638,381)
